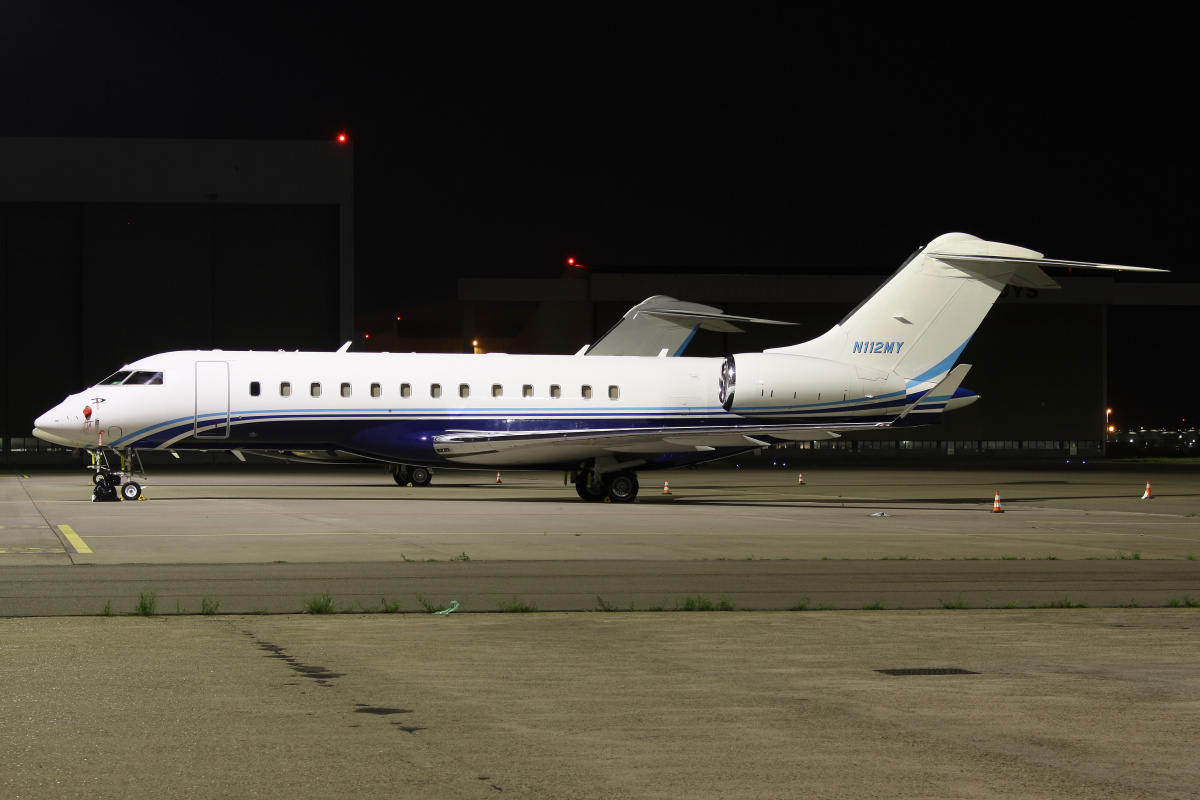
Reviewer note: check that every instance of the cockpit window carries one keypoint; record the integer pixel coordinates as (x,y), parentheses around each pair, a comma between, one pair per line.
(140,378)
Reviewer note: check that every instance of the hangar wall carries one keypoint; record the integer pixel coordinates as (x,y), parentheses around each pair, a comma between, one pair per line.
(111,250)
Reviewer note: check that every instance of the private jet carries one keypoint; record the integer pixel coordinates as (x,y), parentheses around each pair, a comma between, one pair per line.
(630,403)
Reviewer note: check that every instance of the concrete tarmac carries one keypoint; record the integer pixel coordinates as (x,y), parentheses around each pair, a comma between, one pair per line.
(1049,702)
(1093,703)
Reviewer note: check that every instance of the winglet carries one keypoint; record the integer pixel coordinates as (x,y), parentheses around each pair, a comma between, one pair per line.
(946,387)
(344,347)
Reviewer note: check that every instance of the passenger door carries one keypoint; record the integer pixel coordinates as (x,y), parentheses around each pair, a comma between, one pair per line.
(212,400)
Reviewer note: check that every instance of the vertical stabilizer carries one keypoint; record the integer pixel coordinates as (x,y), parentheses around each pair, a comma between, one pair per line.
(918,322)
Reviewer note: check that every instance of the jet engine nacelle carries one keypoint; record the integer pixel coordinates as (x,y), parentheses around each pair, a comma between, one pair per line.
(769,383)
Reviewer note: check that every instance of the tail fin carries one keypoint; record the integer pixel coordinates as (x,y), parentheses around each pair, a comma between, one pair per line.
(918,322)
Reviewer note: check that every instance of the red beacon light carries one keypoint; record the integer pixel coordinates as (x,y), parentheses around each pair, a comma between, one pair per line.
(341,138)
(573,263)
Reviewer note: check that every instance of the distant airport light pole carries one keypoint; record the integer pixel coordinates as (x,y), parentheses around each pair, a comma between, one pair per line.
(587,298)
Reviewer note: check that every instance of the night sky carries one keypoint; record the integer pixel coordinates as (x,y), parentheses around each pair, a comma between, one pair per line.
(496,140)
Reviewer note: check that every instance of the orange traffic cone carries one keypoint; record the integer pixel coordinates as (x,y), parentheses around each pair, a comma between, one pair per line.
(666,487)
(1149,495)
(801,481)
(996,509)
(498,478)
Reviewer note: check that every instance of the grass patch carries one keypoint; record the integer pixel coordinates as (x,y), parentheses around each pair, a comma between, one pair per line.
(1136,555)
(390,606)
(260,611)
(107,610)
(516,606)
(1007,605)
(1187,602)
(602,605)
(429,605)
(147,605)
(657,608)
(321,604)
(1131,604)
(876,606)
(958,604)
(1191,556)
(461,557)
(702,603)
(1063,603)
(1009,558)
(208,606)
(1047,558)
(801,606)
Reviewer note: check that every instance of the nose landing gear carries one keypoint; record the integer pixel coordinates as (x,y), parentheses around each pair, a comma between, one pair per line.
(107,482)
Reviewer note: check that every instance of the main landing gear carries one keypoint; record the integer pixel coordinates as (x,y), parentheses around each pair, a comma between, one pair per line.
(107,485)
(404,475)
(612,487)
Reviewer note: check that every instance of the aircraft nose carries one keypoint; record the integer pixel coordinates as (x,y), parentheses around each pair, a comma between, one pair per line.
(56,425)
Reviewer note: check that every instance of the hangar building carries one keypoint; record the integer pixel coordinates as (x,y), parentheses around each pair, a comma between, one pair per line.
(112,249)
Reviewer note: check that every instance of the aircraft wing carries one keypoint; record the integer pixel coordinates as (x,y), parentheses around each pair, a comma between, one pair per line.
(641,440)
(663,326)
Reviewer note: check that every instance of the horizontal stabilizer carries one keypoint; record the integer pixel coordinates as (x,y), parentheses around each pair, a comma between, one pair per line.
(1030,268)
(942,392)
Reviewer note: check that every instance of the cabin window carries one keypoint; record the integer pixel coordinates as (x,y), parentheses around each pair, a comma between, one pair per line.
(586,392)
(345,390)
(376,390)
(405,390)
(314,389)
(285,389)
(464,390)
(527,391)
(115,379)
(435,390)
(614,392)
(497,390)
(555,391)
(145,379)
(255,389)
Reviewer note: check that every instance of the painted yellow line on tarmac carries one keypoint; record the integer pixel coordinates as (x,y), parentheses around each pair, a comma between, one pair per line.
(74,539)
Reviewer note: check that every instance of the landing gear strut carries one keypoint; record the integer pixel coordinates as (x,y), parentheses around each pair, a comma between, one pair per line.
(107,481)
(404,475)
(613,487)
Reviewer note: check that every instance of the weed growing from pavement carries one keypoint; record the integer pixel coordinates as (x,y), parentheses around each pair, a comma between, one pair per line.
(1063,603)
(958,604)
(208,606)
(429,605)
(1133,603)
(107,610)
(701,603)
(1191,556)
(390,607)
(876,606)
(461,557)
(321,604)
(602,605)
(800,606)
(1188,601)
(516,606)
(260,611)
(147,604)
